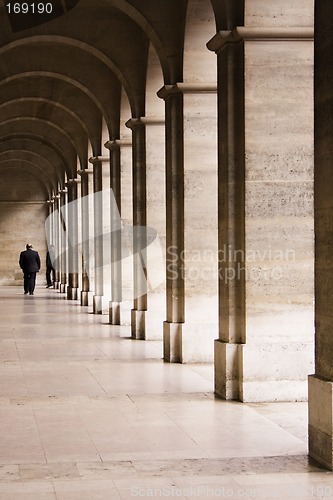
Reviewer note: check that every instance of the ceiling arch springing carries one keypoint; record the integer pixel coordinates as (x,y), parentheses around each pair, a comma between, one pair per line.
(49,113)
(13,151)
(48,130)
(38,143)
(61,79)
(30,167)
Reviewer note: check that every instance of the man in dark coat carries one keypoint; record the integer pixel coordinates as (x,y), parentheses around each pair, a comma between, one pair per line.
(30,265)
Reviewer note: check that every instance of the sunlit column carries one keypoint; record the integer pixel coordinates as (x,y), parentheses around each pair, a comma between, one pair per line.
(321,382)
(265,210)
(73,255)
(86,234)
(191,221)
(139,310)
(63,226)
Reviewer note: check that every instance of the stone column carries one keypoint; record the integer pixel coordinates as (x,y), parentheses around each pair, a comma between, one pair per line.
(321,383)
(56,221)
(53,218)
(101,235)
(50,222)
(116,236)
(156,225)
(175,307)
(265,345)
(50,225)
(154,273)
(98,234)
(191,215)
(91,218)
(138,313)
(231,213)
(121,228)
(127,228)
(73,254)
(86,207)
(63,240)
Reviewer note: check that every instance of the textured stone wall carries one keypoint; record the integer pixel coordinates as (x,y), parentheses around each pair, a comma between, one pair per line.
(279,13)
(20,222)
(321,384)
(265,347)
(279,211)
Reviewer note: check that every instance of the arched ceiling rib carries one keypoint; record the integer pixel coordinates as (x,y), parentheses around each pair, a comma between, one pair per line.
(41,75)
(14,151)
(50,112)
(76,52)
(73,63)
(163,23)
(62,94)
(46,108)
(59,79)
(28,166)
(49,131)
(38,144)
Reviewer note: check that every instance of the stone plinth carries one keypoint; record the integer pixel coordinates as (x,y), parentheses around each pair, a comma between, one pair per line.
(320,420)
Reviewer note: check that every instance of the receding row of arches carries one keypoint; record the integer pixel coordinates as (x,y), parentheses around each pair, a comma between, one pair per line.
(193,118)
(80,62)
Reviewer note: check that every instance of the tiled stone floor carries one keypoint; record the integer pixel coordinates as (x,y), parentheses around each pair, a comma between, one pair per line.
(88,413)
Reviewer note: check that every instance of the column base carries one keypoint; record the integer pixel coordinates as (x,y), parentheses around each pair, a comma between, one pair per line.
(155,316)
(63,287)
(274,372)
(100,304)
(320,420)
(226,363)
(172,342)
(72,293)
(114,313)
(56,285)
(86,298)
(138,324)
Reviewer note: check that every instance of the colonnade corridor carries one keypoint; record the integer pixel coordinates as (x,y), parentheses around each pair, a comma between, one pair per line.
(86,412)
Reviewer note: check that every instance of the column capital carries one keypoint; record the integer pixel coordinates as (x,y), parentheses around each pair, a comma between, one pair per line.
(145,120)
(222,39)
(187,88)
(50,201)
(118,143)
(56,196)
(72,181)
(85,171)
(99,159)
(262,33)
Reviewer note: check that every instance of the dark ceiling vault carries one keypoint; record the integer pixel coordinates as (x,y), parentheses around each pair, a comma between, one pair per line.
(62,75)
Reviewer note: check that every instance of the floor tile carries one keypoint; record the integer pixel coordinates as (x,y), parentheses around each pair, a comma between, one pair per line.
(86,412)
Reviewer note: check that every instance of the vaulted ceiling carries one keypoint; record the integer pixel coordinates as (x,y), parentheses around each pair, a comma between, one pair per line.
(62,75)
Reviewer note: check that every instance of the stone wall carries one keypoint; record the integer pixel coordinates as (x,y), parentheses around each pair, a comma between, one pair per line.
(20,222)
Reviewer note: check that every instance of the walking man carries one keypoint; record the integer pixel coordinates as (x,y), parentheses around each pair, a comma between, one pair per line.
(30,265)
